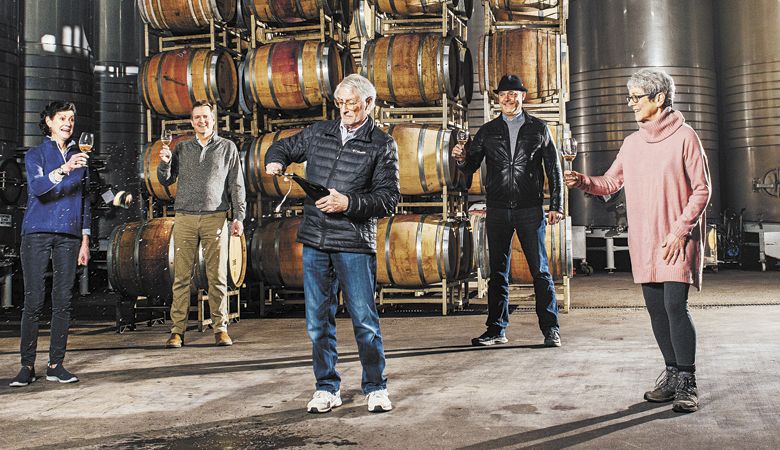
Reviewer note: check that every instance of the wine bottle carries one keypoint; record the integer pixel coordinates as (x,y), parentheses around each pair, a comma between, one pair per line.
(313,190)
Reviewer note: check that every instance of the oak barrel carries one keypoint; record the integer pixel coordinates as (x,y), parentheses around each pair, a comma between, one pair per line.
(293,74)
(513,10)
(419,250)
(363,25)
(277,258)
(184,16)
(557,243)
(425,163)
(140,259)
(413,69)
(171,82)
(529,53)
(405,8)
(257,181)
(149,163)
(291,11)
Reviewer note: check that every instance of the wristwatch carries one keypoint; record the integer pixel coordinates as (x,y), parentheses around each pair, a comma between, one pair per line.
(61,172)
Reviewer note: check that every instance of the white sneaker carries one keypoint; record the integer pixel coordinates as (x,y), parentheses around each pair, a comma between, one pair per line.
(378,401)
(324,401)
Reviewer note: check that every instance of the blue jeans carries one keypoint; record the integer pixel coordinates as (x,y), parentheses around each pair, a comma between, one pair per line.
(529,223)
(323,273)
(36,250)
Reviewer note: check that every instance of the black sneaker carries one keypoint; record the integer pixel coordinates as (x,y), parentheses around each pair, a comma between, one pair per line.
(25,376)
(686,399)
(60,374)
(552,338)
(665,386)
(490,338)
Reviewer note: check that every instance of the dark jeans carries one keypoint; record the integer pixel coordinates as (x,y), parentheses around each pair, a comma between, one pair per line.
(323,272)
(529,223)
(667,304)
(35,252)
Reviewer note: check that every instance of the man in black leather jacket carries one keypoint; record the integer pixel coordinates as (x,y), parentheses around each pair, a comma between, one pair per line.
(358,163)
(518,152)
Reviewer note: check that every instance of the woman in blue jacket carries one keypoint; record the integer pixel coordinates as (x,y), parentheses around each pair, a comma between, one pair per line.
(56,227)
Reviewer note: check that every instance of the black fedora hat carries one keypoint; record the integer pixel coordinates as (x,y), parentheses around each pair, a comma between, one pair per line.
(510,83)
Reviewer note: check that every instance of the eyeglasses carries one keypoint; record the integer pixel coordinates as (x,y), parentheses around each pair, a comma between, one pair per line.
(636,98)
(510,94)
(349,104)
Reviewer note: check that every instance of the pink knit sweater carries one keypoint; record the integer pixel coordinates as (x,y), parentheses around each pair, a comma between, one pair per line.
(664,171)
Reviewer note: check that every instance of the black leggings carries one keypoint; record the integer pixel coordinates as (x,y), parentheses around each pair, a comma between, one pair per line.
(667,304)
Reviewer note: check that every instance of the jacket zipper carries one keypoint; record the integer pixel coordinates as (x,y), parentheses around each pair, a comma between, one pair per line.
(327,183)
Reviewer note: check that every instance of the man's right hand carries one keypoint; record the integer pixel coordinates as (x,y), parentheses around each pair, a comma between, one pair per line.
(572,179)
(273,168)
(458,153)
(165,154)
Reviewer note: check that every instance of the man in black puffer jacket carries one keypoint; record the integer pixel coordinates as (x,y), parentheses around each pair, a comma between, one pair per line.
(358,163)
(518,152)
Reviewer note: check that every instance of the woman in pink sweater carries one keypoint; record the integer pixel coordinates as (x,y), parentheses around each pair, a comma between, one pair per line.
(664,172)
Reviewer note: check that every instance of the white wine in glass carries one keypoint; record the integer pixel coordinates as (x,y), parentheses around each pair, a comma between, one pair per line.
(167,137)
(86,141)
(569,151)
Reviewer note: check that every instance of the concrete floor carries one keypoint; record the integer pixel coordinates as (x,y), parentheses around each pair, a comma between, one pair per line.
(587,394)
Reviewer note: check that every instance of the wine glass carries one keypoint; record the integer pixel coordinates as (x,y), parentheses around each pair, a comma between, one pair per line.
(569,151)
(166,137)
(462,136)
(86,141)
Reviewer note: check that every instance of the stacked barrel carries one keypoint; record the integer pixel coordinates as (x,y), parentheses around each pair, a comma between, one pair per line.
(525,38)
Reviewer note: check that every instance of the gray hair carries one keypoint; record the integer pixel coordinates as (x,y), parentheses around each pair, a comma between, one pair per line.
(359,84)
(654,81)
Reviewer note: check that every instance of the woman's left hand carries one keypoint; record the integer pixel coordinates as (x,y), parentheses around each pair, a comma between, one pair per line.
(84,252)
(674,248)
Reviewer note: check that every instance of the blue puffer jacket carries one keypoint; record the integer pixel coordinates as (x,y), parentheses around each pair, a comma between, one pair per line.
(55,207)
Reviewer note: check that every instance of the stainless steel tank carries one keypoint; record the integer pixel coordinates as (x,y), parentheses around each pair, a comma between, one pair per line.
(119,116)
(9,75)
(56,62)
(749,77)
(609,40)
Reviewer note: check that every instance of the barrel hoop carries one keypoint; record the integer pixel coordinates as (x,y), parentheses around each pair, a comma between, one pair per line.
(418,249)
(192,13)
(136,253)
(321,73)
(157,21)
(389,69)
(424,6)
(438,249)
(299,7)
(441,160)
(215,12)
(420,83)
(485,53)
(421,158)
(368,67)
(143,86)
(392,7)
(440,74)
(274,13)
(448,45)
(445,250)
(113,280)
(387,250)
(324,60)
(213,86)
(190,87)
(159,84)
(301,83)
(257,257)
(270,72)
(252,60)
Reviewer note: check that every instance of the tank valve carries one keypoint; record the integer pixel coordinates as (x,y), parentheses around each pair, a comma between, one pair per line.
(770,184)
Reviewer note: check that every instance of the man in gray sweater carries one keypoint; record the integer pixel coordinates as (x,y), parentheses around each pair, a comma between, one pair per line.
(210,187)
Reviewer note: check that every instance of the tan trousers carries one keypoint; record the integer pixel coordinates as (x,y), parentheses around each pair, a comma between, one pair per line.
(212,231)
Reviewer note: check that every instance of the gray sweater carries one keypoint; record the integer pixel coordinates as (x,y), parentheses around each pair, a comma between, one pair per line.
(210,178)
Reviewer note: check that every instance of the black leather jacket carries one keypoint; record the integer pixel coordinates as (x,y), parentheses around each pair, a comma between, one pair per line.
(365,169)
(516,182)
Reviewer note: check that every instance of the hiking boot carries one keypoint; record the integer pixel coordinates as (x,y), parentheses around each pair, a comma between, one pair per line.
(686,399)
(25,376)
(378,401)
(552,338)
(60,374)
(175,341)
(665,386)
(324,401)
(222,339)
(490,338)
